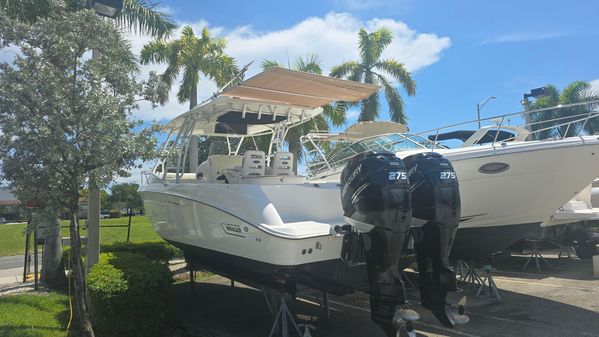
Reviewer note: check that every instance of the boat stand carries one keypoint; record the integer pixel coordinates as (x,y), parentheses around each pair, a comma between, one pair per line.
(567,250)
(536,255)
(469,274)
(277,304)
(488,279)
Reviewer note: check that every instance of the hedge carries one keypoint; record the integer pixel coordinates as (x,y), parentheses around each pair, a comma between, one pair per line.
(128,292)
(155,251)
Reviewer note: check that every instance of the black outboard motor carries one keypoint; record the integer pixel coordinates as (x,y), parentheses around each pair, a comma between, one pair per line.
(435,217)
(375,195)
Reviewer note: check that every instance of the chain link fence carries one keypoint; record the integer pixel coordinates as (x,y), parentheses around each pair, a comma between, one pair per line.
(136,228)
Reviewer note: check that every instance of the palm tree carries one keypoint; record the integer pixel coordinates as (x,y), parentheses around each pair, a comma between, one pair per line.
(334,114)
(575,92)
(138,15)
(372,69)
(193,56)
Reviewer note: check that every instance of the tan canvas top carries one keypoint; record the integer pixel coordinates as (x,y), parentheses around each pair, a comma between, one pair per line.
(276,95)
(300,88)
(363,130)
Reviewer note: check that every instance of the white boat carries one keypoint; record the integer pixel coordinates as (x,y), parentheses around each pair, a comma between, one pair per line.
(508,186)
(250,218)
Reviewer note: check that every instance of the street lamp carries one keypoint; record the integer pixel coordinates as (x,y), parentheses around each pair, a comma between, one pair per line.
(110,9)
(107,8)
(534,93)
(481,105)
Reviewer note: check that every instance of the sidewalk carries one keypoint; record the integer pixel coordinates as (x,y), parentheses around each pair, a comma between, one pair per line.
(11,275)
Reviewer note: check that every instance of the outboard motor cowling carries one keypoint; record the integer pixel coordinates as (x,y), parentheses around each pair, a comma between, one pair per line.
(375,195)
(435,217)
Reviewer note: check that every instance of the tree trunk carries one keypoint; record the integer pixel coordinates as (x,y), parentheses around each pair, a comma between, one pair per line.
(193,141)
(77,270)
(52,264)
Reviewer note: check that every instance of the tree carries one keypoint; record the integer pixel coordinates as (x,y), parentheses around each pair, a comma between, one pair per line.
(126,195)
(66,118)
(194,56)
(333,113)
(546,121)
(372,69)
(138,15)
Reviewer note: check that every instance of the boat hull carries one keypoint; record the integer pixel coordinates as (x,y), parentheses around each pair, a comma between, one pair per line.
(244,232)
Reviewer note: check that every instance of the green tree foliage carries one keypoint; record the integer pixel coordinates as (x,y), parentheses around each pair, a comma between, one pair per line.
(193,56)
(138,15)
(126,196)
(333,113)
(66,118)
(374,70)
(575,92)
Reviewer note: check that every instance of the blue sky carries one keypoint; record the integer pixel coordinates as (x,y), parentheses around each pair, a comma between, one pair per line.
(459,52)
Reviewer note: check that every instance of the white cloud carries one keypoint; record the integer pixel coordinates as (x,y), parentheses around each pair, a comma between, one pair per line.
(595,85)
(525,37)
(333,37)
(363,5)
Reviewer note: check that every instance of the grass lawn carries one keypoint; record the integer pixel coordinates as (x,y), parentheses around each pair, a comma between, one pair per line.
(12,240)
(30,315)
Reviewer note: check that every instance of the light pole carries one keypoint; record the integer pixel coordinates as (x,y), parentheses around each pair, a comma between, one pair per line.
(535,93)
(481,105)
(110,9)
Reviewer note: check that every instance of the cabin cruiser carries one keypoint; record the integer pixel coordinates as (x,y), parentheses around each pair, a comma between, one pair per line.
(508,187)
(247,216)
(567,223)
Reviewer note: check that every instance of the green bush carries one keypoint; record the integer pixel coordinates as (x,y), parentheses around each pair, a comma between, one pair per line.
(115,213)
(129,293)
(155,251)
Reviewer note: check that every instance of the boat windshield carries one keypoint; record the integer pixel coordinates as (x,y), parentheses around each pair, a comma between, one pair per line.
(393,142)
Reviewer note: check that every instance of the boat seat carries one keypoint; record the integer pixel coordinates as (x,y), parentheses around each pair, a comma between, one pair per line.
(202,171)
(282,164)
(254,163)
(217,164)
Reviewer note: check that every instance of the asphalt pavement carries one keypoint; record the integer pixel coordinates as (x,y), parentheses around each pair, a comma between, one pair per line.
(558,302)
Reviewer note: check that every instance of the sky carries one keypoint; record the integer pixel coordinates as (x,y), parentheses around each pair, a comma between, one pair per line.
(459,52)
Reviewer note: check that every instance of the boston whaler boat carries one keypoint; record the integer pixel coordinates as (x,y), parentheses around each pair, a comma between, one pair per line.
(508,186)
(247,216)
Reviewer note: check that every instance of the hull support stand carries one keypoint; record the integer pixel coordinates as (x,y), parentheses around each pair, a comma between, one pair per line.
(283,318)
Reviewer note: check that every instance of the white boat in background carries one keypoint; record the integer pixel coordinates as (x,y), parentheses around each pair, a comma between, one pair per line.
(508,186)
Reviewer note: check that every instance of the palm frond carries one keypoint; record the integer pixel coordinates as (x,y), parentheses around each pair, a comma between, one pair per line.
(335,113)
(154,52)
(379,40)
(370,108)
(394,100)
(142,17)
(310,64)
(188,85)
(267,64)
(364,46)
(398,72)
(347,68)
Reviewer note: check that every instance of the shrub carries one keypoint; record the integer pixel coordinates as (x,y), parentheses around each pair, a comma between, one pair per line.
(155,251)
(115,213)
(129,293)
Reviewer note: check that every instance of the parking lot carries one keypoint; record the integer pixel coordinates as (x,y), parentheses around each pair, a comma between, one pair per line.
(559,302)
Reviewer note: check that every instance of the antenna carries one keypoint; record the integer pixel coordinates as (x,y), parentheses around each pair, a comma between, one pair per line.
(235,78)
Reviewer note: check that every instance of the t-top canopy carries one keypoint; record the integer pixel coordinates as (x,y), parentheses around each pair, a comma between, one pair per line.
(272,97)
(362,130)
(300,88)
